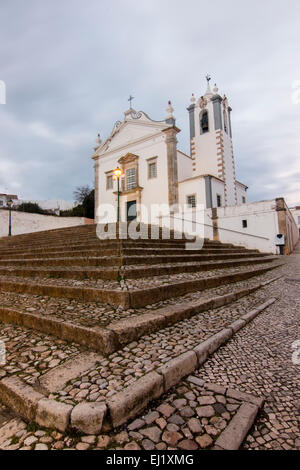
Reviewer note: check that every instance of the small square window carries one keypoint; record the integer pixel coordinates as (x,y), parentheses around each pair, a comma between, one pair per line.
(245,223)
(152,170)
(109,182)
(191,201)
(219,200)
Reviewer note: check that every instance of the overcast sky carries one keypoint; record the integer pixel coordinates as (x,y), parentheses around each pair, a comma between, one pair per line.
(70,65)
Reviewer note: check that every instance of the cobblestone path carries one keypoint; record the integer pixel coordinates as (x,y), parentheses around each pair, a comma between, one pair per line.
(258,360)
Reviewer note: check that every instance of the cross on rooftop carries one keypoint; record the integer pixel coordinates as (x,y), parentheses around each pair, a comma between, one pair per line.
(130,100)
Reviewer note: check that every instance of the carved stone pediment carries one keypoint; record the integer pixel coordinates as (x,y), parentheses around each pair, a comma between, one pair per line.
(128,158)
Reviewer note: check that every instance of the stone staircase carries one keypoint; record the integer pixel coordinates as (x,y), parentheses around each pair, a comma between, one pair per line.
(102,295)
(29,262)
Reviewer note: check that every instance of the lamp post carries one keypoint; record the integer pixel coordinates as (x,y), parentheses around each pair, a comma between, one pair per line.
(9,203)
(118,174)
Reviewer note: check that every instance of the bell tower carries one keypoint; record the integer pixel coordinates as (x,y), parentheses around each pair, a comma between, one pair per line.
(211,140)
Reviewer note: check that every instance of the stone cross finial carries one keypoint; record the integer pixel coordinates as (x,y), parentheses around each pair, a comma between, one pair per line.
(131,98)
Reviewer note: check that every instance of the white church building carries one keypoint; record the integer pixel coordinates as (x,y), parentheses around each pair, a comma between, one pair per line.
(156,172)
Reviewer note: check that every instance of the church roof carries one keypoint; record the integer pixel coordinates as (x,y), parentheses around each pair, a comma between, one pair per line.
(142,126)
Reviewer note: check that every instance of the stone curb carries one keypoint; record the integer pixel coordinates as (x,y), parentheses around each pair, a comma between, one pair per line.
(88,417)
(52,414)
(233,436)
(20,397)
(128,403)
(179,367)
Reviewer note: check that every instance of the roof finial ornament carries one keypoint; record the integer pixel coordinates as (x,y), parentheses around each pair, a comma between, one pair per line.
(170,119)
(131,98)
(170,110)
(208,91)
(216,89)
(98,141)
(193,99)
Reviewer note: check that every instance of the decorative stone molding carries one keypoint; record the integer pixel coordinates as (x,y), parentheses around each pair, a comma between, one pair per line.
(171,143)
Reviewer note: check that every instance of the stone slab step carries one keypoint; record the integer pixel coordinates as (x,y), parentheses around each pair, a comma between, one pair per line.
(130,298)
(65,253)
(58,377)
(129,272)
(126,404)
(101,245)
(118,333)
(146,258)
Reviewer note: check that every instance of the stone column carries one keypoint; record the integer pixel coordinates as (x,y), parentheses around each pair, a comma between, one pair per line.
(97,198)
(171,143)
(214,218)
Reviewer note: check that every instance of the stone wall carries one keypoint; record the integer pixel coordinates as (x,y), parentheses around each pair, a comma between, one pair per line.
(23,222)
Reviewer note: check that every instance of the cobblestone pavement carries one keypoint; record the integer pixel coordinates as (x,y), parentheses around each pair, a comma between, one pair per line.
(124,367)
(30,354)
(257,360)
(191,417)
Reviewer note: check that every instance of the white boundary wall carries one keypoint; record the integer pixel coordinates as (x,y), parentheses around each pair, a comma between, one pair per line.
(23,222)
(265,219)
(262,225)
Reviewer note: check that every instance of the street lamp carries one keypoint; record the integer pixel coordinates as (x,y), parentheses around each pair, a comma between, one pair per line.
(118,174)
(9,203)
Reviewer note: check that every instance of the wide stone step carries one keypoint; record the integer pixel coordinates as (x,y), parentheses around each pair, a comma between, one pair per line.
(110,260)
(108,250)
(97,245)
(126,381)
(115,333)
(127,297)
(157,268)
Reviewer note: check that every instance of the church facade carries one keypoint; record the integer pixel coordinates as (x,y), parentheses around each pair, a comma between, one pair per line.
(154,172)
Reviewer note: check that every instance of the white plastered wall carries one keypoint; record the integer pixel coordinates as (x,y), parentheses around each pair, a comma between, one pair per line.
(155,191)
(23,222)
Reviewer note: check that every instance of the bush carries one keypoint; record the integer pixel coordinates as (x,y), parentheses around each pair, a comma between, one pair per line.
(86,209)
(32,208)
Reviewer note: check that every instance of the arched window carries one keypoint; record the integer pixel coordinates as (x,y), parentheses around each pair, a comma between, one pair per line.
(204,124)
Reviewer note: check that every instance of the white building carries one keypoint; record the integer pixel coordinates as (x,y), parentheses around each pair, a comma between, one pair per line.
(296,214)
(4,198)
(155,171)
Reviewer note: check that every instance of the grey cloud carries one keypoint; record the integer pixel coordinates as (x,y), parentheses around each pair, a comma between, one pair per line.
(70,65)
